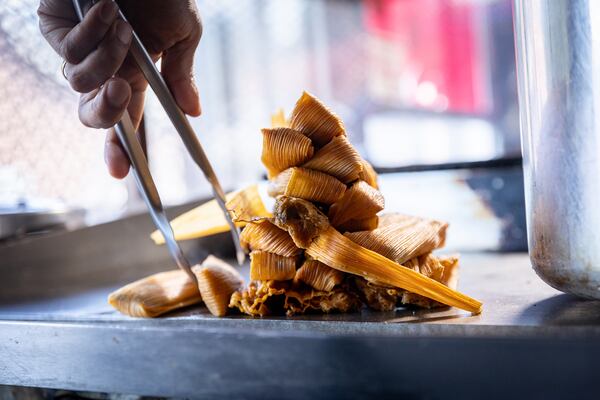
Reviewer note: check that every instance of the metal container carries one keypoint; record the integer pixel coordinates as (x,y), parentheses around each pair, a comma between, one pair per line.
(558,71)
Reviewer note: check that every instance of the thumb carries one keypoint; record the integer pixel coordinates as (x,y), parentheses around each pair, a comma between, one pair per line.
(177,67)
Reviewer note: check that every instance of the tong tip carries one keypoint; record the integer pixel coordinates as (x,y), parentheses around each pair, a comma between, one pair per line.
(241,256)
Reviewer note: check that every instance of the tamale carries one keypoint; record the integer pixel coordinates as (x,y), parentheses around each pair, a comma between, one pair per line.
(315,120)
(356,225)
(265,236)
(260,298)
(360,201)
(217,281)
(401,237)
(156,294)
(337,251)
(307,184)
(368,174)
(337,158)
(384,298)
(208,219)
(284,148)
(278,120)
(318,275)
(265,266)
(388,261)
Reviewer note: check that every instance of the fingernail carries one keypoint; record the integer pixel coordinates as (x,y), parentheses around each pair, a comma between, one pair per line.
(116,96)
(124,32)
(108,12)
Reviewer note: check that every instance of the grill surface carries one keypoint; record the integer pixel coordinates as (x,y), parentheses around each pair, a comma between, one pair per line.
(57,331)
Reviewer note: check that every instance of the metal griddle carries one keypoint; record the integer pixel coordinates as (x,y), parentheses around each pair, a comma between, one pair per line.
(57,331)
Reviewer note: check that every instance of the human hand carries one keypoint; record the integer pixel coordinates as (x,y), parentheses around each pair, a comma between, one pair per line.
(98,67)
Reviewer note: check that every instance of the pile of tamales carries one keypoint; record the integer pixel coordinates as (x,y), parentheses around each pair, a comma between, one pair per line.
(327,246)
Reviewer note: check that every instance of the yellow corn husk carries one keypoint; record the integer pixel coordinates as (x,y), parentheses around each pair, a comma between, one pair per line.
(208,219)
(337,158)
(278,120)
(284,148)
(307,184)
(368,174)
(247,205)
(401,237)
(264,236)
(357,225)
(358,202)
(318,275)
(156,294)
(450,272)
(315,120)
(217,281)
(337,251)
(427,265)
(443,270)
(255,299)
(265,266)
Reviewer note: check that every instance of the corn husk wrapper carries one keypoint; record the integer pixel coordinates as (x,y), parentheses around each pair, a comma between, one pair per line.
(315,120)
(247,205)
(264,236)
(368,174)
(356,225)
(337,158)
(427,265)
(208,219)
(265,266)
(318,275)
(442,269)
(401,237)
(360,201)
(284,148)
(217,281)
(156,294)
(307,184)
(380,297)
(337,251)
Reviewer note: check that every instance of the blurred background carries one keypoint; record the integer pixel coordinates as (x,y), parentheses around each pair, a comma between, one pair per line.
(426,89)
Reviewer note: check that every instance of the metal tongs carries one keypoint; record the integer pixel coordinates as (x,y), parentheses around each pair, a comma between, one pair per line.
(127,135)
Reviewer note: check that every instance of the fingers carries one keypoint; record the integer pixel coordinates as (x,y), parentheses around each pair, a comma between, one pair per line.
(88,34)
(103,108)
(103,62)
(177,67)
(114,156)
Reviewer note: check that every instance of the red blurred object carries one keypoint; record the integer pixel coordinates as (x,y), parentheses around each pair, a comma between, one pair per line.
(437,43)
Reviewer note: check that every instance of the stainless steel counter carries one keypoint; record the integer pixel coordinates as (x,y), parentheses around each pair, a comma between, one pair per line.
(57,331)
